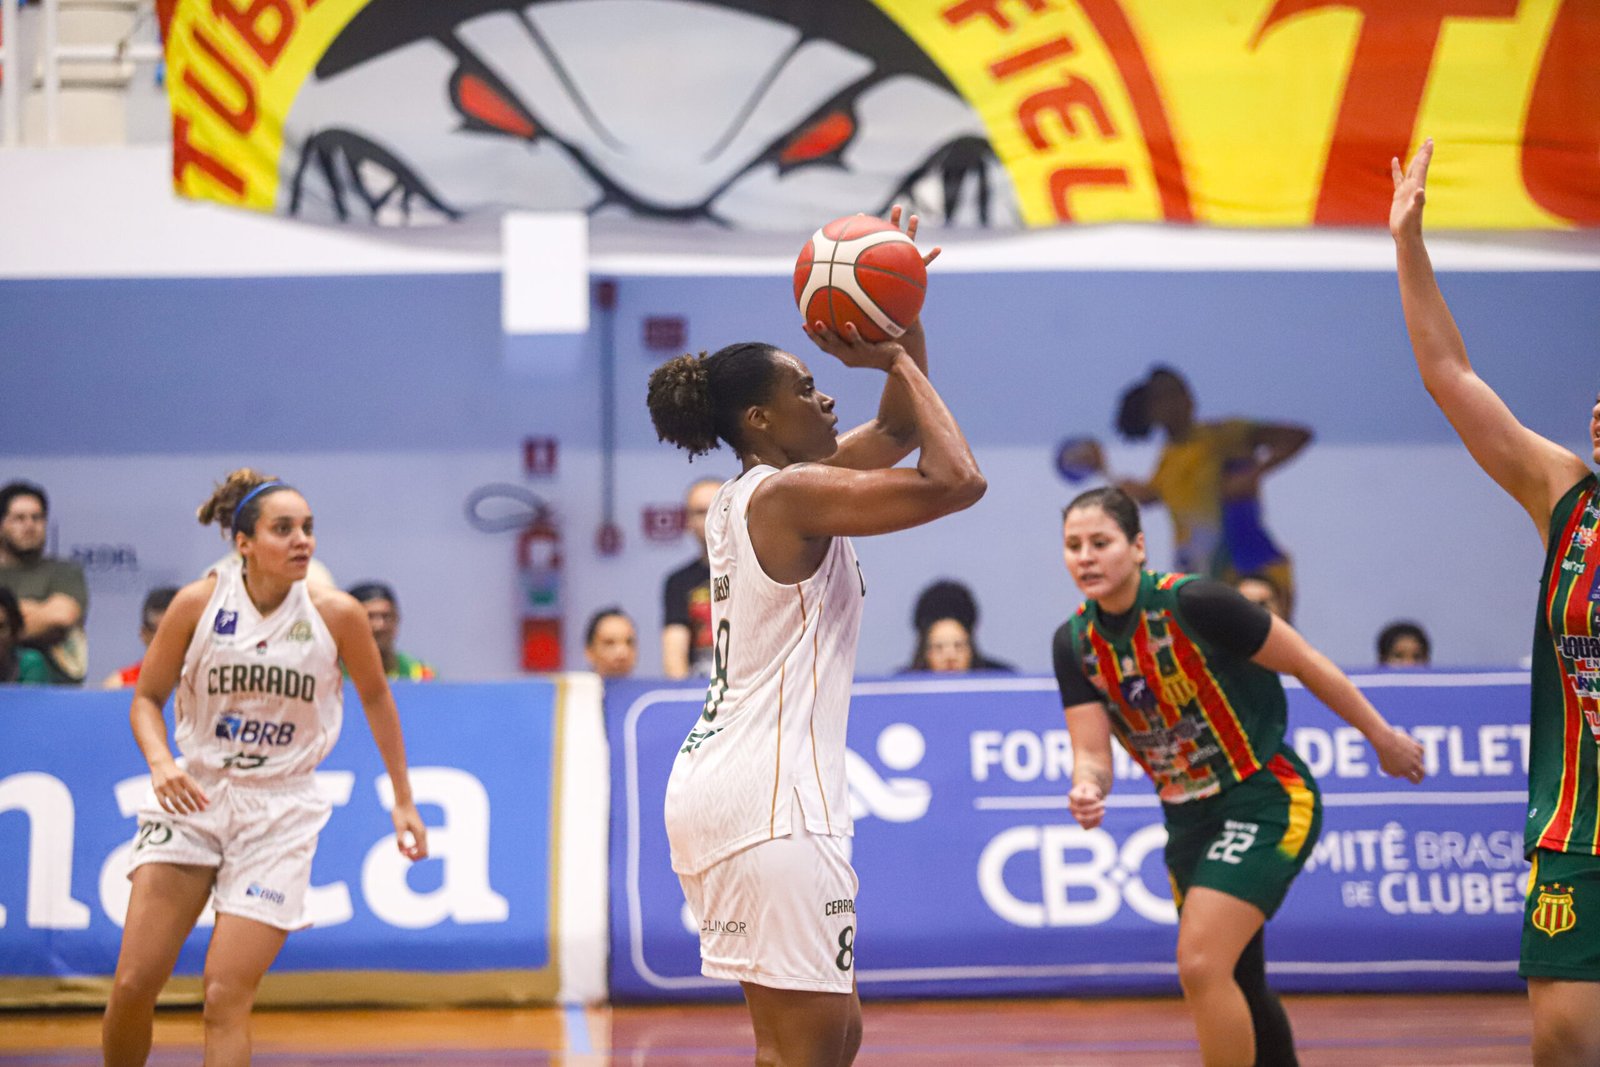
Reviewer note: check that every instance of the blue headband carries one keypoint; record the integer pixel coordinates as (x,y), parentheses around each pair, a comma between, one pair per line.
(233,523)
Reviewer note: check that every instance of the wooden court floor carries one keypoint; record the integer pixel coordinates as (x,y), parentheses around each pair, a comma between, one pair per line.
(1331,1031)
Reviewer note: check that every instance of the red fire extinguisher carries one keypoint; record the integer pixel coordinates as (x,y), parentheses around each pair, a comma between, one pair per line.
(539,581)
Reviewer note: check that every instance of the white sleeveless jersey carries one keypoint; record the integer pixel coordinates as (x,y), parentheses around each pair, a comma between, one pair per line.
(260,699)
(779,701)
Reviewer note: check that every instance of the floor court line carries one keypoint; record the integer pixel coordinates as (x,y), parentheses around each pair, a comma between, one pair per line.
(1463,1030)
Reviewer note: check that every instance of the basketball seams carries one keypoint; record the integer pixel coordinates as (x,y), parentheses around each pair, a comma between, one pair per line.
(866,305)
(836,277)
(868,268)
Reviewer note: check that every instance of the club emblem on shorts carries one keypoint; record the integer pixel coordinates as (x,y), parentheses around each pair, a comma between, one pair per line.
(1554,914)
(300,631)
(226,622)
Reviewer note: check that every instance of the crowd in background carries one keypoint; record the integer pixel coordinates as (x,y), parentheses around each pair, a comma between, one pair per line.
(44,600)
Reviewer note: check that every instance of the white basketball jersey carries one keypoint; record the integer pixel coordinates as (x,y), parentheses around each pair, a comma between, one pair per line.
(260,699)
(779,701)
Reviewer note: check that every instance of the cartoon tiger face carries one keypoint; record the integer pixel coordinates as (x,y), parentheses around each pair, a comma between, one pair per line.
(730,113)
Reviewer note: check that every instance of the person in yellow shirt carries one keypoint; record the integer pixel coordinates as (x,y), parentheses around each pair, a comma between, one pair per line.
(1209,478)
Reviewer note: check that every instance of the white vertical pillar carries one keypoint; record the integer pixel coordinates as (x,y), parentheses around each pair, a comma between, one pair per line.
(544,292)
(12,89)
(52,71)
(545,281)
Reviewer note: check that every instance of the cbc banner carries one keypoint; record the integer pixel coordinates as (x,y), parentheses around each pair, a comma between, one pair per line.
(477,921)
(975,880)
(997,113)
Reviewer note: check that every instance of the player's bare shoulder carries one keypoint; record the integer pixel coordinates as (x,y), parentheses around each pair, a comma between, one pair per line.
(335,605)
(191,600)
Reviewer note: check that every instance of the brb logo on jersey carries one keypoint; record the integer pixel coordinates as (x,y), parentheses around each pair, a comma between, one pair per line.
(234,727)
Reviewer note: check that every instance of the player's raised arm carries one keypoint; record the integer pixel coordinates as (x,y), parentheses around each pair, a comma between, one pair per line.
(819,500)
(1535,471)
(892,435)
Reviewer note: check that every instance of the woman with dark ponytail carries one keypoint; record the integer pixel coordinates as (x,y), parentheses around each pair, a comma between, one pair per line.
(757,810)
(1183,672)
(254,652)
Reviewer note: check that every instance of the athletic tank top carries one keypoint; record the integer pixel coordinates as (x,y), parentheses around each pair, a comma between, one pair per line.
(1197,719)
(1564,756)
(260,699)
(779,700)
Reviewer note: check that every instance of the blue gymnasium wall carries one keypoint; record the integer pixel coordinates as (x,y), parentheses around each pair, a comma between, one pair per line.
(374,363)
(388,400)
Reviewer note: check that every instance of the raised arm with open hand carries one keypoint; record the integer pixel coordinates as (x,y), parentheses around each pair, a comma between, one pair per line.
(1535,471)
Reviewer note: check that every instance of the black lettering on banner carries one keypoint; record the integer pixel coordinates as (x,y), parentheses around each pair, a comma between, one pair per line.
(847,949)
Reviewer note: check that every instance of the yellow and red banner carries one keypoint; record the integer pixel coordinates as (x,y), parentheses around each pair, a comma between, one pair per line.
(759,114)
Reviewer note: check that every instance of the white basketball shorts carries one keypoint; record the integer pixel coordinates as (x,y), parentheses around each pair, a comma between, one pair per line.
(259,837)
(781,913)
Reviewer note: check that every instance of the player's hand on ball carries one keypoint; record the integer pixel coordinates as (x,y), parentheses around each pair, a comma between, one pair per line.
(851,349)
(409,832)
(175,790)
(895,214)
(1400,756)
(1087,802)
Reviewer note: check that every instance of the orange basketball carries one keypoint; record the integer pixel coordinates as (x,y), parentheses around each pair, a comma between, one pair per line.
(862,270)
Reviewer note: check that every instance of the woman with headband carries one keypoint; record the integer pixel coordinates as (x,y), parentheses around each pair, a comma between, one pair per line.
(254,653)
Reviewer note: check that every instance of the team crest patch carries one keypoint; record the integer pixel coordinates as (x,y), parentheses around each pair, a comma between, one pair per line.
(1179,690)
(1554,913)
(300,631)
(226,621)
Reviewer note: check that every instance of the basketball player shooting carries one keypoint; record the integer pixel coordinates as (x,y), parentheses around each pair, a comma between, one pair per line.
(757,841)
